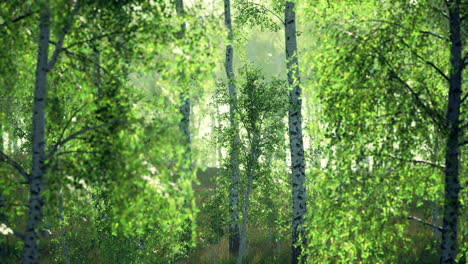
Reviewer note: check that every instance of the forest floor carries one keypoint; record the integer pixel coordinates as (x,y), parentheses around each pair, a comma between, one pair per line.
(262,249)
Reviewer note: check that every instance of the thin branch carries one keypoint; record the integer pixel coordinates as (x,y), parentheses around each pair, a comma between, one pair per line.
(437,117)
(59,45)
(268,10)
(84,57)
(440,11)
(26,15)
(463,143)
(76,151)
(425,223)
(19,235)
(97,38)
(403,27)
(464,97)
(427,62)
(5,158)
(435,165)
(69,122)
(433,34)
(74,135)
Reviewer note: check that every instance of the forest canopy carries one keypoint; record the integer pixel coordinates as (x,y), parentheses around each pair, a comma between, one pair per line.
(233,131)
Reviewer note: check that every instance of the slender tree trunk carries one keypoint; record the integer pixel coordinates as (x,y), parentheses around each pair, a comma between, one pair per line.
(448,249)
(97,69)
(184,125)
(218,147)
(184,109)
(1,132)
(234,155)
(295,135)
(251,168)
(35,179)
(435,204)
(30,248)
(65,248)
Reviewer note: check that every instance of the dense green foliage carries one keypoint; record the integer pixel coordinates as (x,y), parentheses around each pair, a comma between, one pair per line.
(122,185)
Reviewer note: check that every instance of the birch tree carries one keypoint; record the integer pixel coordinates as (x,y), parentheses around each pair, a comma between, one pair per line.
(449,245)
(391,88)
(234,172)
(35,178)
(261,109)
(258,14)
(295,134)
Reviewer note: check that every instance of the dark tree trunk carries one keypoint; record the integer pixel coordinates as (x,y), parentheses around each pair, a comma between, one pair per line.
(234,236)
(295,136)
(448,249)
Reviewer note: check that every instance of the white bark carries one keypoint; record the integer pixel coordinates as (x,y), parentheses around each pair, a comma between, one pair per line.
(295,134)
(234,154)
(30,248)
(251,169)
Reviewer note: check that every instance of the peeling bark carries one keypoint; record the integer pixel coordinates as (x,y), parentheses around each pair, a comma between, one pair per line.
(295,136)
(234,154)
(449,247)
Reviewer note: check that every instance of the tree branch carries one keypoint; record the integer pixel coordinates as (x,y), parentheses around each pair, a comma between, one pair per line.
(440,11)
(435,165)
(26,15)
(437,117)
(82,56)
(56,147)
(76,151)
(19,235)
(464,97)
(97,38)
(5,158)
(59,45)
(425,223)
(408,29)
(427,62)
(463,143)
(68,123)
(269,11)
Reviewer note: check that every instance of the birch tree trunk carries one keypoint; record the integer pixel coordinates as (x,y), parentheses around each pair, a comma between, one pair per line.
(251,169)
(295,135)
(234,155)
(35,178)
(448,249)
(30,248)
(1,132)
(97,70)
